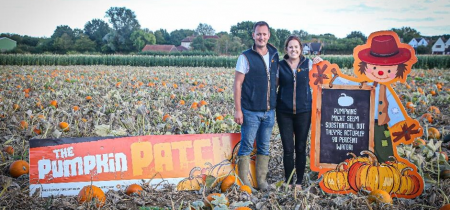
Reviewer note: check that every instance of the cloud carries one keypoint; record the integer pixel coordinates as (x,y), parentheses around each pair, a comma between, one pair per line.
(427,19)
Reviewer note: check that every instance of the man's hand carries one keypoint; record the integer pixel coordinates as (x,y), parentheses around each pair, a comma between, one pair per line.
(238,117)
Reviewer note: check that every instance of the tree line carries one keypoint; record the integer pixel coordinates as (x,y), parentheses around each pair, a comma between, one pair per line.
(124,35)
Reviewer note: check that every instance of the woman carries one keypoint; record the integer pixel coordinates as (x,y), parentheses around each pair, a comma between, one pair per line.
(294,107)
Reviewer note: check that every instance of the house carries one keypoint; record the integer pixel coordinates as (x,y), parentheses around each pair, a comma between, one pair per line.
(447,44)
(315,48)
(438,47)
(7,44)
(186,42)
(306,49)
(160,48)
(416,42)
(182,48)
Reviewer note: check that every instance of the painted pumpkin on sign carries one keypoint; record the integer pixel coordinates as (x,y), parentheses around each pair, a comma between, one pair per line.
(410,183)
(336,180)
(373,176)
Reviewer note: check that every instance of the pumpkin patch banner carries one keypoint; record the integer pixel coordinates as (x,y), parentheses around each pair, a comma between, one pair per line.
(363,121)
(64,166)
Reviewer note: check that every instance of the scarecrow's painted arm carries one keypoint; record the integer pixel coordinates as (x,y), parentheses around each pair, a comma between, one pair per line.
(402,127)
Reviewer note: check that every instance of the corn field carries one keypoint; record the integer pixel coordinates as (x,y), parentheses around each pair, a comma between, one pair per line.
(424,61)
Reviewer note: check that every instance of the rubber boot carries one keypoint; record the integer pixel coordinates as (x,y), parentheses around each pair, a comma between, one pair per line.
(262,167)
(244,169)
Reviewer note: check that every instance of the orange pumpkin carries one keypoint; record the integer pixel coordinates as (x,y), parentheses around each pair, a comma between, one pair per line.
(419,142)
(433,133)
(194,105)
(88,98)
(9,150)
(90,192)
(202,103)
(134,189)
(181,102)
(18,168)
(64,126)
(23,124)
(354,159)
(443,156)
(410,183)
(444,174)
(245,188)
(243,208)
(229,181)
(75,108)
(54,103)
(165,117)
(434,109)
(445,207)
(16,107)
(428,117)
(380,196)
(373,176)
(336,180)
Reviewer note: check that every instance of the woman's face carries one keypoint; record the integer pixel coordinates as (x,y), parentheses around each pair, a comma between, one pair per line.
(293,49)
(381,73)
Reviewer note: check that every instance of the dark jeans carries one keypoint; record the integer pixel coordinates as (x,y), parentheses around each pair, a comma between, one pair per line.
(291,125)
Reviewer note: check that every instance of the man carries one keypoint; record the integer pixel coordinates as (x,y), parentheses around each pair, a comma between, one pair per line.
(255,101)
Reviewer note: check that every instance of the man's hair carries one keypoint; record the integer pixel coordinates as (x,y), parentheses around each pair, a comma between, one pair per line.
(260,23)
(400,69)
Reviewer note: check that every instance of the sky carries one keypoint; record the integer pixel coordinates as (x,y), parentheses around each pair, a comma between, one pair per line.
(39,18)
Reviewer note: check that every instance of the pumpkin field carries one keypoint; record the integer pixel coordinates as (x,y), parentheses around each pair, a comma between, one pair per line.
(41,102)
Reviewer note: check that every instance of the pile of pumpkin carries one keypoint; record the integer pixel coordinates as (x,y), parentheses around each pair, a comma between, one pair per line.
(366,173)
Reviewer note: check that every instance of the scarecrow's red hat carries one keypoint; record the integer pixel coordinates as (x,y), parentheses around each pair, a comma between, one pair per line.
(384,51)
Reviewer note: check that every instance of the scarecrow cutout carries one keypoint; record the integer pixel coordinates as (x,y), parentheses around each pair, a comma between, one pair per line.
(382,61)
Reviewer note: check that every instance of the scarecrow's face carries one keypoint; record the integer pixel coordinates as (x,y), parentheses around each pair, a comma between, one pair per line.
(380,74)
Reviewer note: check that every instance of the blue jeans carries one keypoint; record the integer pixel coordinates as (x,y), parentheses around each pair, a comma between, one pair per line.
(256,125)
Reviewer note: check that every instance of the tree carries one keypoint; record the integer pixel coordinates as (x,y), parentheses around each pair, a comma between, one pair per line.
(407,33)
(243,30)
(274,40)
(84,44)
(96,29)
(282,35)
(357,34)
(204,29)
(61,30)
(198,44)
(303,35)
(211,44)
(63,44)
(140,38)
(162,36)
(178,35)
(123,22)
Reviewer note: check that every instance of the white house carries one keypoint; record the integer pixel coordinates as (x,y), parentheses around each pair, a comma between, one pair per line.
(306,49)
(415,42)
(447,44)
(438,47)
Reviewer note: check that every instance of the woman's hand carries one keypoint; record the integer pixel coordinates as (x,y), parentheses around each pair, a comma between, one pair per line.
(317,60)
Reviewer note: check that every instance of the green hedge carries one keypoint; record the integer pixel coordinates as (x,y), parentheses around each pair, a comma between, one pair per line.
(424,61)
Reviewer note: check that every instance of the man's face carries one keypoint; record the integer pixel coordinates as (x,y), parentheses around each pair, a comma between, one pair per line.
(261,36)
(381,73)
